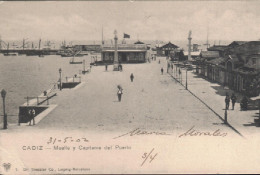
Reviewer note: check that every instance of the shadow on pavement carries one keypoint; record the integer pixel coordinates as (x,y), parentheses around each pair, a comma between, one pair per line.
(219,123)
(256,122)
(251,124)
(252,104)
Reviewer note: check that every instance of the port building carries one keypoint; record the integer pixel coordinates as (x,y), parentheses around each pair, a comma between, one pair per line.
(127,53)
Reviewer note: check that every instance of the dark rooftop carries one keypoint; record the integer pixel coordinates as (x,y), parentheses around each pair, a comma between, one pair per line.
(139,42)
(169,45)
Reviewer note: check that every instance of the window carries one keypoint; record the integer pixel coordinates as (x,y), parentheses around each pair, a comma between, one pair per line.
(254,61)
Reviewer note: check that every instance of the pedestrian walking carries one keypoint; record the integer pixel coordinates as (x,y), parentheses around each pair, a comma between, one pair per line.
(168,67)
(119,93)
(132,77)
(162,70)
(227,101)
(233,99)
(120,67)
(106,67)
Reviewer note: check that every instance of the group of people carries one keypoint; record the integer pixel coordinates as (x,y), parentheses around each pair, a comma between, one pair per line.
(233,98)
(120,67)
(153,58)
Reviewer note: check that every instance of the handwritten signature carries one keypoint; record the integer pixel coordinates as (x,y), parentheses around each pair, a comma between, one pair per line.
(53,140)
(194,132)
(138,131)
(148,157)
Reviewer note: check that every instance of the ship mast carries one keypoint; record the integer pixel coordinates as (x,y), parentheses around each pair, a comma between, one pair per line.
(189,46)
(40,40)
(207,44)
(102,36)
(24,43)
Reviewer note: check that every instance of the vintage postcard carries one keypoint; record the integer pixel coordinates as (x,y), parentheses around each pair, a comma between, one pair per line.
(129,87)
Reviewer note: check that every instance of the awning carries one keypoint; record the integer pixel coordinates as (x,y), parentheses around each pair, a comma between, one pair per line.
(247,70)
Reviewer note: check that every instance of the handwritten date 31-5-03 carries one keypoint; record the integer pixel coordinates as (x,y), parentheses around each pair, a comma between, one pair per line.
(53,140)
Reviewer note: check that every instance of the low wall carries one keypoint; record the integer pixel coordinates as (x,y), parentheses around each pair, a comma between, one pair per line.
(24,116)
(69,85)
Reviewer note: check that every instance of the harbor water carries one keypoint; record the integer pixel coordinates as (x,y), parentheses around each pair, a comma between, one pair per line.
(23,76)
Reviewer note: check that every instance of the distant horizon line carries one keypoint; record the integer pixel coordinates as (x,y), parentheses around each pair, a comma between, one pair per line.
(98,40)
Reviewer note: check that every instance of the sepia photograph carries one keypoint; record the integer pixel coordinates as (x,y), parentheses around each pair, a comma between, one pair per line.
(129,87)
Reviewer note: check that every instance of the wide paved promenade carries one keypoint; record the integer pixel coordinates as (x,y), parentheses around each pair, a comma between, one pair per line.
(154,112)
(152,102)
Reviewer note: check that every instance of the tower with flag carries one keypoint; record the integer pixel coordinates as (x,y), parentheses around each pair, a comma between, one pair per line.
(119,53)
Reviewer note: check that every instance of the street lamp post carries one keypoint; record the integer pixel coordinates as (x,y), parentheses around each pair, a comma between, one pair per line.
(3,94)
(186,79)
(225,119)
(60,77)
(180,74)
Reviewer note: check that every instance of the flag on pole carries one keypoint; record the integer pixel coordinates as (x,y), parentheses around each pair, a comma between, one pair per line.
(126,35)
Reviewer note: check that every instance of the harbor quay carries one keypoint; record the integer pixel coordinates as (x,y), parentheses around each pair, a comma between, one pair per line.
(153,103)
(88,121)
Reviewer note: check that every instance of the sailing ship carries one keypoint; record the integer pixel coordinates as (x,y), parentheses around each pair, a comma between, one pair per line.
(8,53)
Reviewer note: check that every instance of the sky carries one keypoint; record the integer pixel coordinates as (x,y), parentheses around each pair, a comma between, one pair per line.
(145,20)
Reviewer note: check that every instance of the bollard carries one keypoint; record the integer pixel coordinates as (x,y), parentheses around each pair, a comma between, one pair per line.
(225,117)
(66,79)
(27,101)
(37,100)
(60,79)
(186,86)
(47,100)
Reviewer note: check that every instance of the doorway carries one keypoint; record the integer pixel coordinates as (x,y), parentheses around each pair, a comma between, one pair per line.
(124,59)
